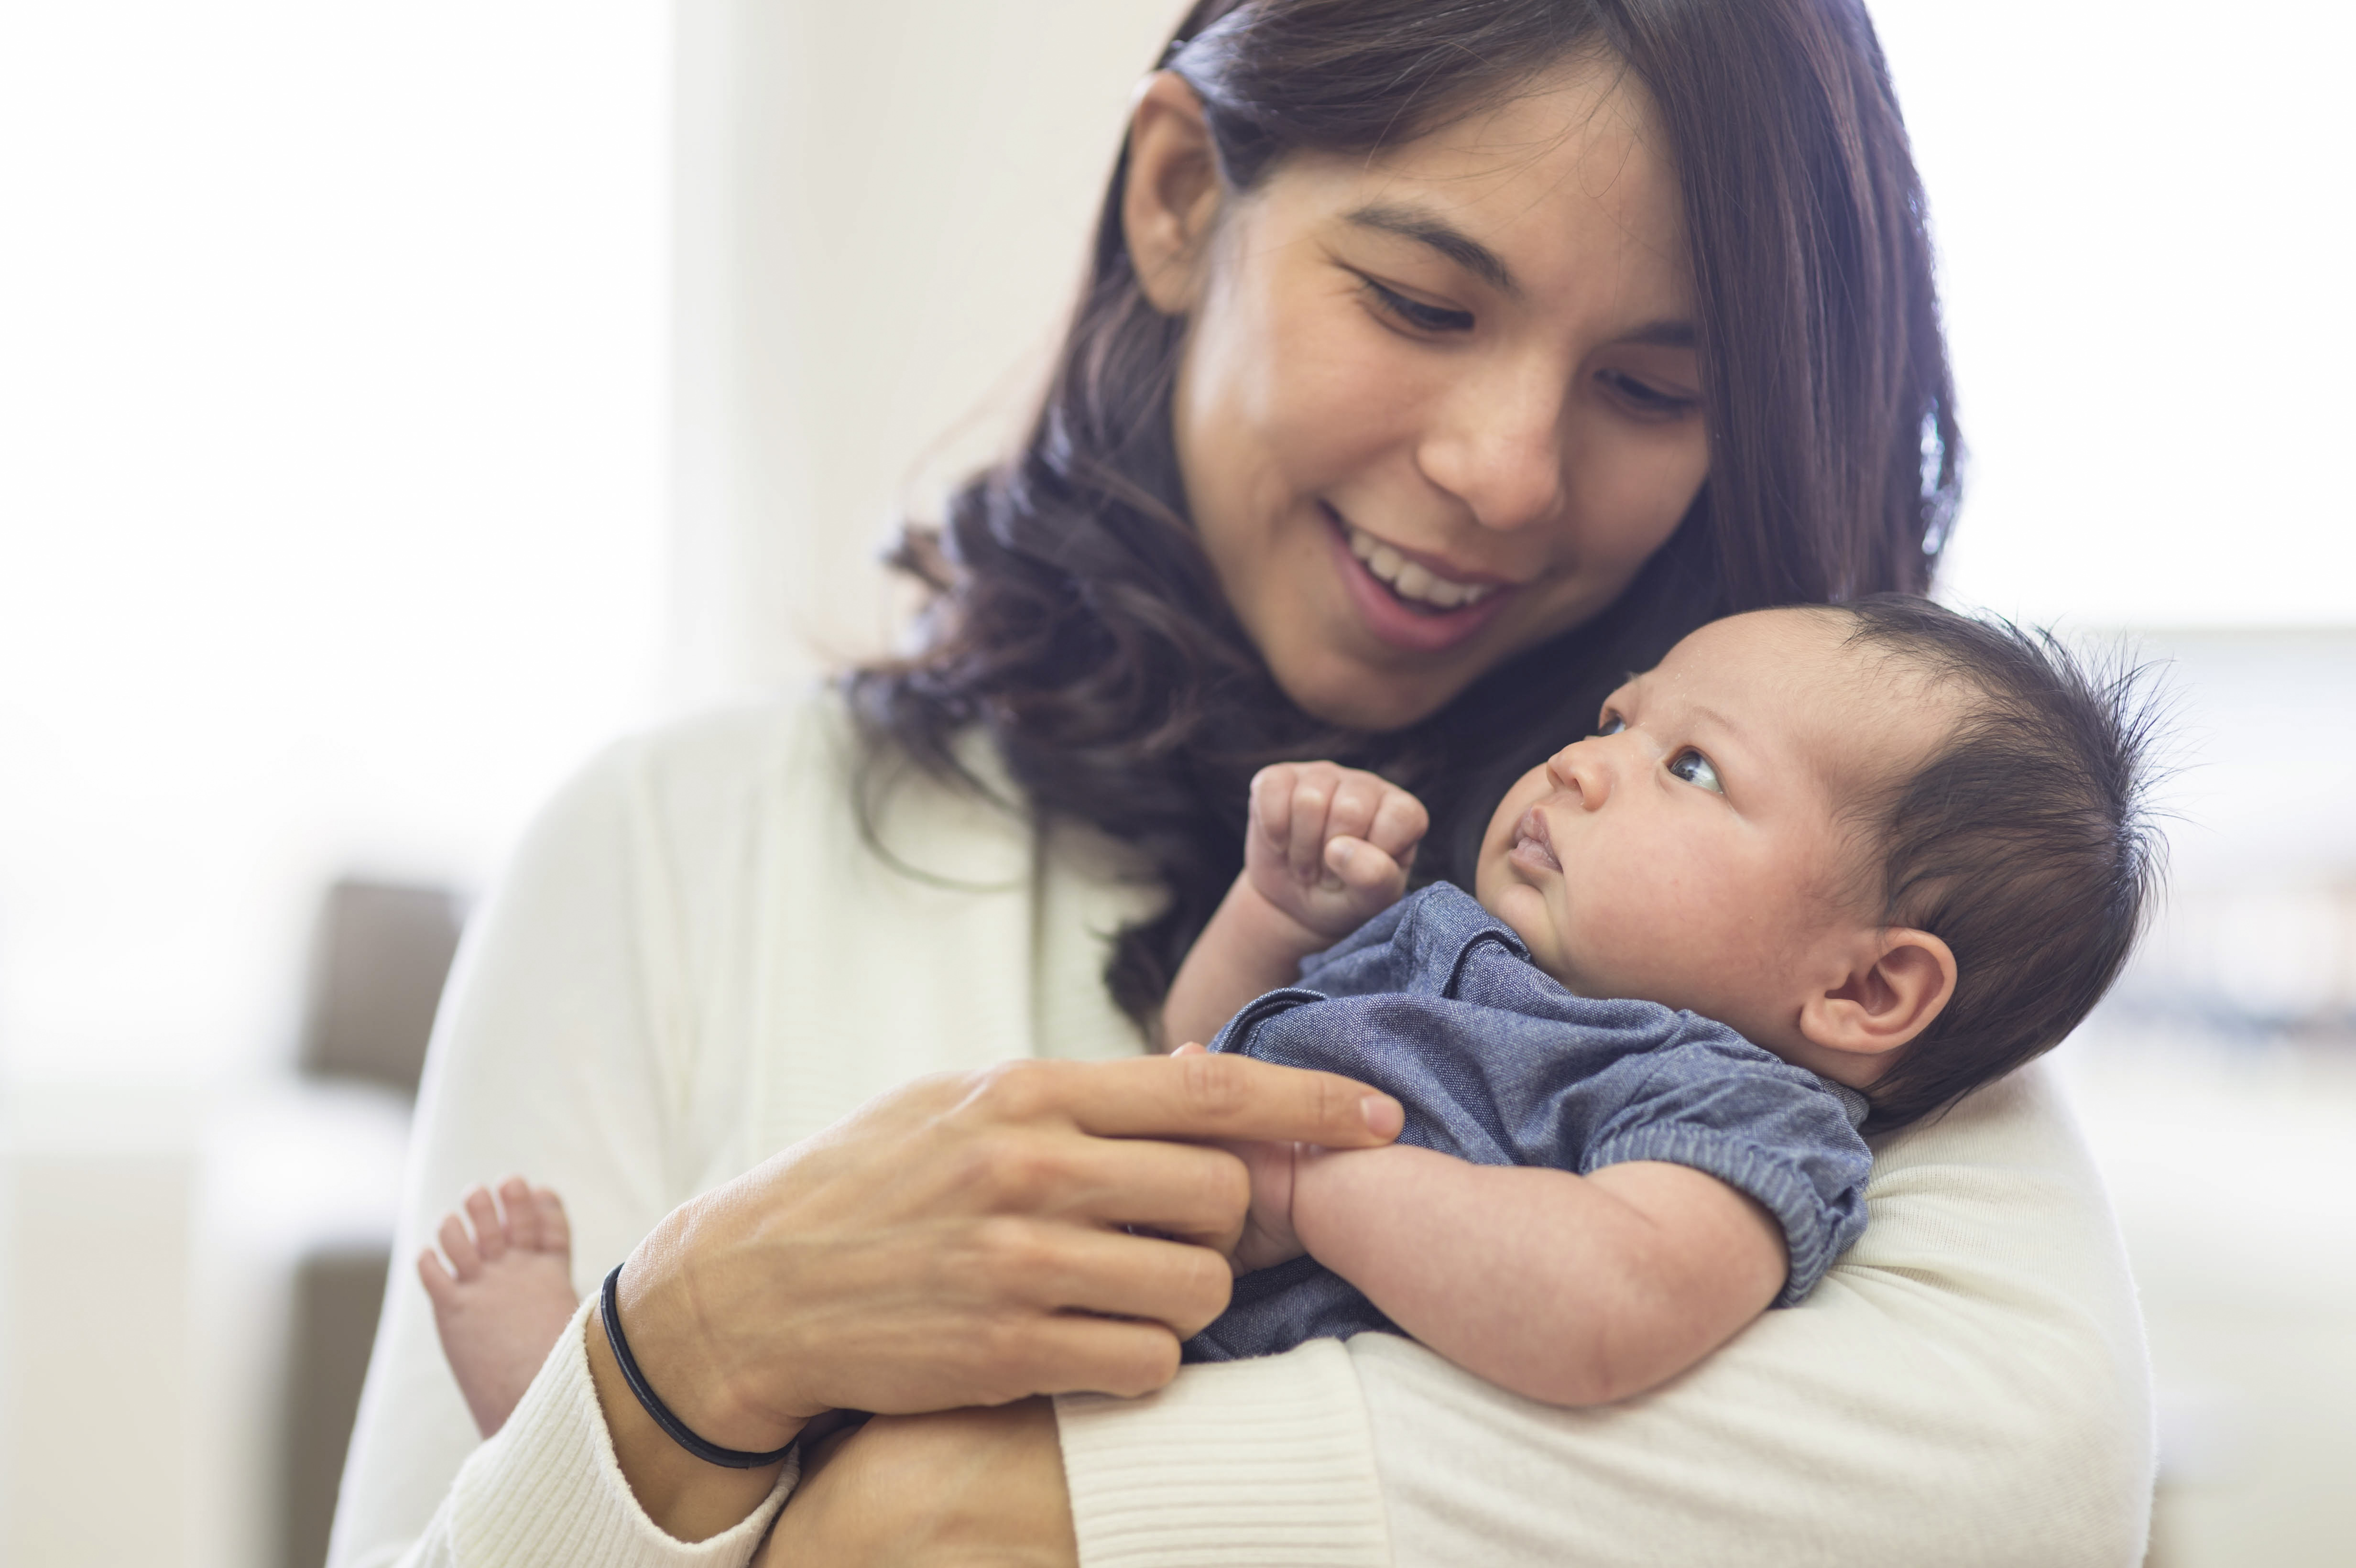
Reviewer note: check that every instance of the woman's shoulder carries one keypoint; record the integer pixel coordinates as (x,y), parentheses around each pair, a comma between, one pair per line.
(2000,1184)
(789,782)
(730,760)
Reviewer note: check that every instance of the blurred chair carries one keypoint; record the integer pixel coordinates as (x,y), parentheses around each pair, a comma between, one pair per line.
(378,964)
(380,957)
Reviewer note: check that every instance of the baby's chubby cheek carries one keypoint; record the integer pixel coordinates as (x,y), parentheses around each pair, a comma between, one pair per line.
(1541,918)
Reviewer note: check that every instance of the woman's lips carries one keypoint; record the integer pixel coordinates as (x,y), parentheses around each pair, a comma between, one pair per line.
(1423,628)
(1533,845)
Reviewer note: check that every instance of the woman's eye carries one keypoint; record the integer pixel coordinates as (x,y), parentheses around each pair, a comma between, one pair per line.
(1414,313)
(1645,398)
(1695,769)
(1612,724)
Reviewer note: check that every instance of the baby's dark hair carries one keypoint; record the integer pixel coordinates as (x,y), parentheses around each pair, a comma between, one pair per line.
(2026,843)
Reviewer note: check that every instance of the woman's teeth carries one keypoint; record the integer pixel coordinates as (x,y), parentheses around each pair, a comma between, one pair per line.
(1410,580)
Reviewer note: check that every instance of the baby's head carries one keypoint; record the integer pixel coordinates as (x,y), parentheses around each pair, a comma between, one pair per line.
(1896,846)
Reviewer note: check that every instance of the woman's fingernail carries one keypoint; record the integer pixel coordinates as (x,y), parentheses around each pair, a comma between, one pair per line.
(1383,1114)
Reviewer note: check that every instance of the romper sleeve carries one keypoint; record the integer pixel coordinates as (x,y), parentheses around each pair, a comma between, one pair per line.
(1717,1103)
(564,1049)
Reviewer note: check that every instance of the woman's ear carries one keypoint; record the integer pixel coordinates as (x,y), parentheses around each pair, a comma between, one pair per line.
(1900,981)
(1172,194)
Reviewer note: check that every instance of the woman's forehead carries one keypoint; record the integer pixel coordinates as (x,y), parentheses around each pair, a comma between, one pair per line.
(1565,181)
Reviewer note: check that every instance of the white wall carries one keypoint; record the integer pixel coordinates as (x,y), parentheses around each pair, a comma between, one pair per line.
(334,344)
(332,471)
(882,214)
(2141,215)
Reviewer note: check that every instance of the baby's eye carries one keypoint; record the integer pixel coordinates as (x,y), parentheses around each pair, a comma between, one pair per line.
(1612,724)
(1695,769)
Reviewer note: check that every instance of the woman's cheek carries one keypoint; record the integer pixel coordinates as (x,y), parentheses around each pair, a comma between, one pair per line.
(1634,483)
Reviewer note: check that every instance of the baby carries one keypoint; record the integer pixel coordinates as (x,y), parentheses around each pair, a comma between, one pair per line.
(1820,870)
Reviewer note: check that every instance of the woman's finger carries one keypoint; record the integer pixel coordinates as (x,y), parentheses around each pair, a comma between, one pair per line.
(1190,1191)
(1211,1098)
(1078,1354)
(1070,1268)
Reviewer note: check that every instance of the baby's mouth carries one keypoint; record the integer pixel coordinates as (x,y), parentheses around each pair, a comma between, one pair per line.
(1533,845)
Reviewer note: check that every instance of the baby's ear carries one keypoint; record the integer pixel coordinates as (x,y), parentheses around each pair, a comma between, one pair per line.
(1899,980)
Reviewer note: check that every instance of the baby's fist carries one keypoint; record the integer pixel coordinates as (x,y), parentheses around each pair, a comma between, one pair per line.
(1330,846)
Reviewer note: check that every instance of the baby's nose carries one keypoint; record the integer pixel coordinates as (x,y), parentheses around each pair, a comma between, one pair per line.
(1580,770)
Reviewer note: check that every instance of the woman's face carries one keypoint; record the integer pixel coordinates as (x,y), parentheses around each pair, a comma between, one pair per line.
(1435,406)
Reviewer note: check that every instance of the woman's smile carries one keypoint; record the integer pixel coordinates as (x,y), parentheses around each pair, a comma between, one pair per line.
(1408,600)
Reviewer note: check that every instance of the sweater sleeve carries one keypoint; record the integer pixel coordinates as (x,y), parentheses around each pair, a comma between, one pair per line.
(564,1050)
(1265,1462)
(1968,1386)
(547,1489)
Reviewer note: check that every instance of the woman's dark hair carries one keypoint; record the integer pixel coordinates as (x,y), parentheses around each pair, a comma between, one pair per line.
(2024,843)
(1075,618)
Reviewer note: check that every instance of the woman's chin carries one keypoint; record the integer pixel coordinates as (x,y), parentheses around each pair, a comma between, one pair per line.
(1369,706)
(1359,694)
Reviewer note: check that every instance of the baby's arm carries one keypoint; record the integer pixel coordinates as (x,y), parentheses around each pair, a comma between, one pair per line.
(1326,850)
(1574,1290)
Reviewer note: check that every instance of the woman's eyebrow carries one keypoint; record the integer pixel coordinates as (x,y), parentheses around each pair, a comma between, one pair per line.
(1664,334)
(1431,228)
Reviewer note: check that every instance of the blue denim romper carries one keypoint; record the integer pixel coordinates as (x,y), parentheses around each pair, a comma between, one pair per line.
(1436,1002)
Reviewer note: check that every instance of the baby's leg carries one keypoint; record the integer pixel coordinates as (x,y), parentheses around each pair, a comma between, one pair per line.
(504,1301)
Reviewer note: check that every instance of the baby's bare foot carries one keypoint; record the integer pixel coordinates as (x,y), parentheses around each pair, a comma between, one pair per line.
(503,1302)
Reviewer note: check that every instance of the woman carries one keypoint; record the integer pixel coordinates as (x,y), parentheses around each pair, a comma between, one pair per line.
(1440,363)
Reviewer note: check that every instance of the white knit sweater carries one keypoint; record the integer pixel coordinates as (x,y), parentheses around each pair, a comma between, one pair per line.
(696,960)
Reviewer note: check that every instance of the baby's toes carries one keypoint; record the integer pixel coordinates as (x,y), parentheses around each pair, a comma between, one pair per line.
(555,1229)
(490,1231)
(458,1246)
(439,1286)
(520,1214)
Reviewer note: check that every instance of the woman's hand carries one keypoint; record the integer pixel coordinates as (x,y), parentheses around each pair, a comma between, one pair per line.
(1267,1237)
(964,1488)
(962,1241)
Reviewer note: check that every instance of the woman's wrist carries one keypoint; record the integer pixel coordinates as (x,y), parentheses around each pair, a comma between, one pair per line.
(669,1315)
(657,1307)
(685,1498)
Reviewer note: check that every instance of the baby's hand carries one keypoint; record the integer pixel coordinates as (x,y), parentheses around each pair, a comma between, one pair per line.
(1330,846)
(1267,1237)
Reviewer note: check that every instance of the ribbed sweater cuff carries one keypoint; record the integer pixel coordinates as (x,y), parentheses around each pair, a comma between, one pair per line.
(1268,1463)
(547,1489)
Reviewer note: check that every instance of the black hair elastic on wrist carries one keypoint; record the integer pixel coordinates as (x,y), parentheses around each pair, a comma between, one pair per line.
(609,1312)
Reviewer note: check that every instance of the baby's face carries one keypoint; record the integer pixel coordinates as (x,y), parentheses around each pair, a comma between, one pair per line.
(1693,854)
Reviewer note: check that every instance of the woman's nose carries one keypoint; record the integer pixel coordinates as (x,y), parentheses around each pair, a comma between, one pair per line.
(1496,445)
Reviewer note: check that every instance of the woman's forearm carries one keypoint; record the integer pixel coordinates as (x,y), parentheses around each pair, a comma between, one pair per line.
(959,1488)
(1568,1289)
